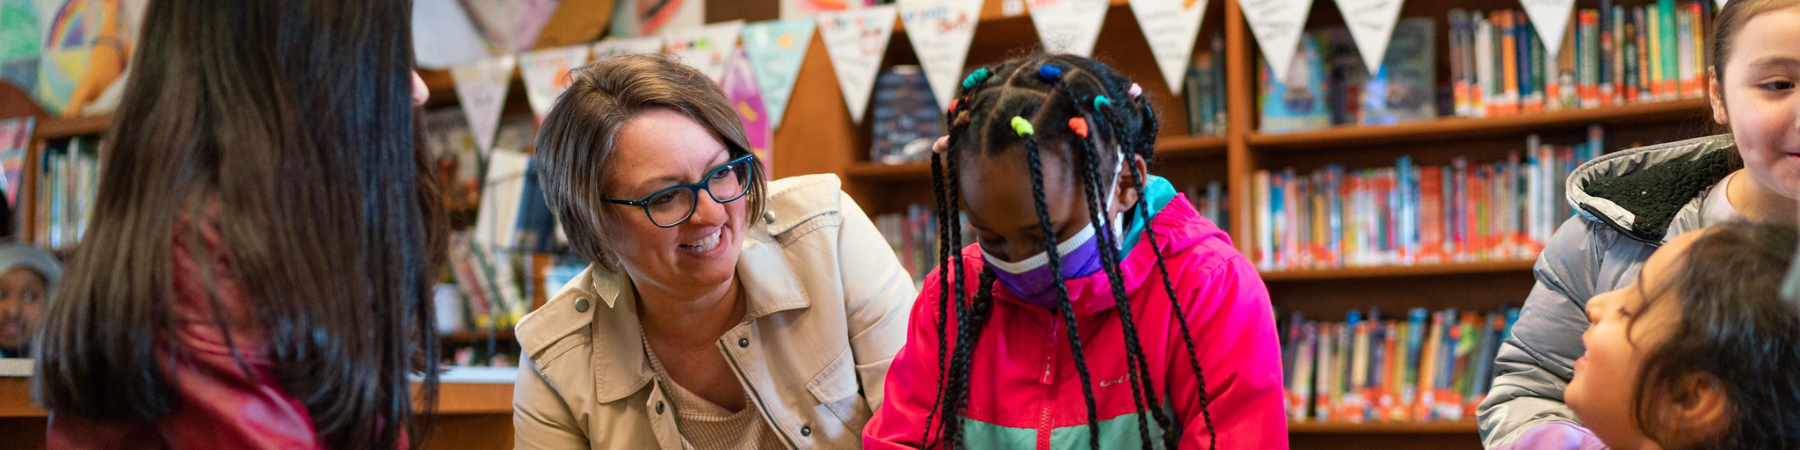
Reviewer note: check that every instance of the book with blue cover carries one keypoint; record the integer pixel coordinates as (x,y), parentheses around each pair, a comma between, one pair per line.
(1298,102)
(1405,88)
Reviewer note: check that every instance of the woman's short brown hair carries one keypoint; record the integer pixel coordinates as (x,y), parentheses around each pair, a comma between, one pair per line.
(575,142)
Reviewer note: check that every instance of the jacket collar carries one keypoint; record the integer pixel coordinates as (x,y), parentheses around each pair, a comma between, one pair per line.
(620,367)
(1666,207)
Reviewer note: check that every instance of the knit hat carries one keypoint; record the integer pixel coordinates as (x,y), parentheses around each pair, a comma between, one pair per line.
(14,255)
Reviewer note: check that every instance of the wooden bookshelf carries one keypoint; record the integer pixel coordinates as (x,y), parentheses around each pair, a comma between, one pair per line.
(1462,128)
(57,128)
(1457,427)
(468,416)
(1346,273)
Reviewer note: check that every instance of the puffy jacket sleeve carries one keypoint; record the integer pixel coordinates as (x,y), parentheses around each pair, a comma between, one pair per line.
(1535,364)
(912,381)
(877,292)
(1227,309)
(540,418)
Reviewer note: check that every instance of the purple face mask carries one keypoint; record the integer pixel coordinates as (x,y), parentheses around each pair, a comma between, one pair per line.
(1031,278)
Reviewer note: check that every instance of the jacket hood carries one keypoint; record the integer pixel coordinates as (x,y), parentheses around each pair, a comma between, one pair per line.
(1639,192)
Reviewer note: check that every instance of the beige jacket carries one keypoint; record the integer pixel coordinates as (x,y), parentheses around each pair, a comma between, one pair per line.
(828,305)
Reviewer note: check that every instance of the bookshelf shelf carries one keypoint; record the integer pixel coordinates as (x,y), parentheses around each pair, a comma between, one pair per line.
(1343,273)
(1192,147)
(1177,147)
(1459,128)
(57,128)
(1456,427)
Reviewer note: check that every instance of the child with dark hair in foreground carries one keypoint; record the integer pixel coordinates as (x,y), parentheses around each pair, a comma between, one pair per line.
(1701,352)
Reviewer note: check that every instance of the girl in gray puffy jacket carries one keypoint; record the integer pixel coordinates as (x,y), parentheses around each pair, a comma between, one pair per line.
(1631,202)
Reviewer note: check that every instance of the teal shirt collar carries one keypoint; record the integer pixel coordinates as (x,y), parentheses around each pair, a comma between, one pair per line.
(1157,195)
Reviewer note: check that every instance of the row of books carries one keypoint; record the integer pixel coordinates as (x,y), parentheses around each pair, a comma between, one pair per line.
(1328,82)
(1205,88)
(1408,214)
(1426,366)
(68,180)
(914,237)
(1612,55)
(492,288)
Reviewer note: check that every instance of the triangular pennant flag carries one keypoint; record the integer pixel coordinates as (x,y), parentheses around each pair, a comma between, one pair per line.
(481,90)
(775,50)
(1277,25)
(546,74)
(611,47)
(856,40)
(1550,18)
(1069,26)
(705,48)
(1171,27)
(1371,23)
(940,31)
(739,83)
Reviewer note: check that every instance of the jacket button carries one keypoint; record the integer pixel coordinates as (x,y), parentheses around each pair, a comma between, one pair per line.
(743,342)
(769,217)
(659,406)
(581,305)
(805,431)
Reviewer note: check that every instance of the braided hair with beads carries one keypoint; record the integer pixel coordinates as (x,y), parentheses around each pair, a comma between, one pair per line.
(1026,103)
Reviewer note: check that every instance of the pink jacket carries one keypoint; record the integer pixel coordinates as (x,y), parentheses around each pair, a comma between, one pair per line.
(219,406)
(1024,389)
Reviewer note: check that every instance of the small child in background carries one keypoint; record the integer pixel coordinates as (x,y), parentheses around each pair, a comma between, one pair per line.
(27,275)
(1701,352)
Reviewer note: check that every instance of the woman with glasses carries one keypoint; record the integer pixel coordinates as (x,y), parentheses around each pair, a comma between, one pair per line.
(721,311)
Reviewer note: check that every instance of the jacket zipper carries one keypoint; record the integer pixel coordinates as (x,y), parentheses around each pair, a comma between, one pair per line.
(755,395)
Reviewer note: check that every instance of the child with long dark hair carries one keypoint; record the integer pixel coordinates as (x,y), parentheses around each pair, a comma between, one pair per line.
(1097,308)
(1699,352)
(264,241)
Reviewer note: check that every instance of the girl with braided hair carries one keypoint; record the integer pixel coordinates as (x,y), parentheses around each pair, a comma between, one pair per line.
(1144,328)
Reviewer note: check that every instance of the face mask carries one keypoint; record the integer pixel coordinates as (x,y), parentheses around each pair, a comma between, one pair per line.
(1031,278)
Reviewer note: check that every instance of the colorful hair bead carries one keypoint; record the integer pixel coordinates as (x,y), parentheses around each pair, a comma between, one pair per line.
(1079,125)
(1136,90)
(1049,73)
(953,103)
(975,78)
(1101,101)
(942,144)
(1021,126)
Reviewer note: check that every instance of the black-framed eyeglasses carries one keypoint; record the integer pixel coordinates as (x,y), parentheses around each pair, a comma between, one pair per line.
(675,204)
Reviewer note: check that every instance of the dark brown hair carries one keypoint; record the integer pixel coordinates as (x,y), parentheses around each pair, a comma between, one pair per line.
(294,121)
(1734,329)
(575,144)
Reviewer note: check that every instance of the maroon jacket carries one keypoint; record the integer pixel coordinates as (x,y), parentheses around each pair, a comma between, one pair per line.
(219,405)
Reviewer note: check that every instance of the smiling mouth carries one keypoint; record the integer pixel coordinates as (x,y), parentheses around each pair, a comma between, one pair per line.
(704,244)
